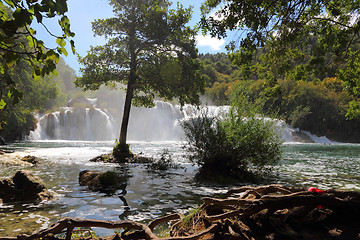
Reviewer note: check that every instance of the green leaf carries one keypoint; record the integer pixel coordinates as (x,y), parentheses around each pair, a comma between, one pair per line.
(4,15)
(53,56)
(10,3)
(64,52)
(60,41)
(49,6)
(65,25)
(10,58)
(36,73)
(61,6)
(22,17)
(38,16)
(353,111)
(30,41)
(15,94)
(49,67)
(2,104)
(72,46)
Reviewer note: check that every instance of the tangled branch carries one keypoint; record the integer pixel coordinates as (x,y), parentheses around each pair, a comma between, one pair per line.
(242,213)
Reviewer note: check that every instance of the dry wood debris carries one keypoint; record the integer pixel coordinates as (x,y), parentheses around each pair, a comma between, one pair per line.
(264,212)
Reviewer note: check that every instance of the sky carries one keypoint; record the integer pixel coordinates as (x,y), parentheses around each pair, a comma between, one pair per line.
(82,12)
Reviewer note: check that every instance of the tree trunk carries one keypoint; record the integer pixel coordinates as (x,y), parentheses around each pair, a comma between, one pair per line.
(121,151)
(126,115)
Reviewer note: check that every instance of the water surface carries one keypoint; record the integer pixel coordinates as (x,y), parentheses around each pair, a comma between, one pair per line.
(151,194)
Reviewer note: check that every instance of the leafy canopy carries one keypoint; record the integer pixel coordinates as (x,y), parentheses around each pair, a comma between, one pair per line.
(16,120)
(150,49)
(282,22)
(297,39)
(18,40)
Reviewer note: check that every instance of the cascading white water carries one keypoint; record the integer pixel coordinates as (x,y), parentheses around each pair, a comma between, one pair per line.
(74,124)
(161,123)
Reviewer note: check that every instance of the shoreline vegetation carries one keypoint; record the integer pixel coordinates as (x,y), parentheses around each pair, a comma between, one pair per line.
(263,212)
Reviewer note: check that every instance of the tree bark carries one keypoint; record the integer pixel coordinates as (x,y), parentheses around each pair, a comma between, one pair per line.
(121,151)
(126,114)
(131,81)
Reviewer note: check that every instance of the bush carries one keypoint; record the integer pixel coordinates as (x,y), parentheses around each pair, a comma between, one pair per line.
(236,145)
(165,162)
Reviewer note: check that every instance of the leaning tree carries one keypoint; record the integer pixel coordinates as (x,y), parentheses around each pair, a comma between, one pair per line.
(150,50)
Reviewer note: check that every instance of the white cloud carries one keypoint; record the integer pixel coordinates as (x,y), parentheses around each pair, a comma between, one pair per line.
(207,41)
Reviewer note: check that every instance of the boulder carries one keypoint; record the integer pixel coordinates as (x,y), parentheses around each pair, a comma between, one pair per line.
(106,158)
(3,151)
(24,187)
(107,182)
(30,159)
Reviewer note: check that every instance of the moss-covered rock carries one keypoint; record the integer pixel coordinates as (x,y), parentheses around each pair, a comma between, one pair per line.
(24,187)
(31,159)
(121,152)
(109,158)
(103,181)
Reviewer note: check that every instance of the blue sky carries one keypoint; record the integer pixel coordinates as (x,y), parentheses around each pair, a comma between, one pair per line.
(82,12)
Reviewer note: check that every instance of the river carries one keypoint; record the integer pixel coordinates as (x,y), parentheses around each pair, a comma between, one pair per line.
(151,194)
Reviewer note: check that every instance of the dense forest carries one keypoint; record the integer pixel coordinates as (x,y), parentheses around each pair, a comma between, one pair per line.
(17,119)
(314,100)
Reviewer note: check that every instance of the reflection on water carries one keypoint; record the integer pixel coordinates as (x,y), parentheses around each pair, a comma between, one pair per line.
(150,194)
(324,166)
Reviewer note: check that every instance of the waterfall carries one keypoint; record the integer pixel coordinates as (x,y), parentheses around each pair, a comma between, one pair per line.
(74,124)
(160,123)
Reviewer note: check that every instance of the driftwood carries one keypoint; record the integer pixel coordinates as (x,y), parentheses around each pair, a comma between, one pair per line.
(265,212)
(279,212)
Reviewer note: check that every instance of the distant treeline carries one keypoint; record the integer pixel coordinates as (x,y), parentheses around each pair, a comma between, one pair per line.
(314,100)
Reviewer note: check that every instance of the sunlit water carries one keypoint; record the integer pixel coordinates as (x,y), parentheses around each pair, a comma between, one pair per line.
(151,194)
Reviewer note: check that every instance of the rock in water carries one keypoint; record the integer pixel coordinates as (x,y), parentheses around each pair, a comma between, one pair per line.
(109,158)
(103,181)
(31,159)
(24,187)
